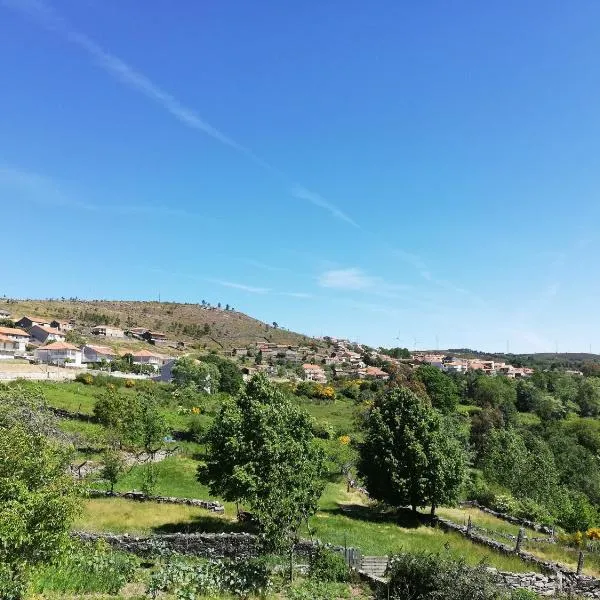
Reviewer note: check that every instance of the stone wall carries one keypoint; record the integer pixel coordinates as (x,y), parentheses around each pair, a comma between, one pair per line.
(204,545)
(510,519)
(141,497)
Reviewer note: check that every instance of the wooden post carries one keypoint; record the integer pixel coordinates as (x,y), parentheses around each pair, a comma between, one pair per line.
(292,562)
(469,526)
(519,540)
(580,563)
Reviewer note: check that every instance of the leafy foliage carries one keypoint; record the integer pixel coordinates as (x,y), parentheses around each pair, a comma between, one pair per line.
(37,498)
(422,576)
(326,565)
(261,451)
(410,457)
(202,375)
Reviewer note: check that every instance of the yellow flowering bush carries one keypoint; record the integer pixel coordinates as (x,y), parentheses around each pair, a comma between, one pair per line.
(593,534)
(344,440)
(324,392)
(130,383)
(196,410)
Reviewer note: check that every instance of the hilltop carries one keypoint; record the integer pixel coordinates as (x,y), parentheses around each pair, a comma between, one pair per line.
(201,325)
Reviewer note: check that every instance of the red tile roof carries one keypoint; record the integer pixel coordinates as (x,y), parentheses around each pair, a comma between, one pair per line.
(58,346)
(13,331)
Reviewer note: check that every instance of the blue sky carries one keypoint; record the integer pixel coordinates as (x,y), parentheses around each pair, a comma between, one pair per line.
(398,173)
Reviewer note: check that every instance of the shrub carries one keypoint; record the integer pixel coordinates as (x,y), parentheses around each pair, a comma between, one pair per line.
(196,428)
(479,490)
(87,568)
(422,576)
(129,383)
(528,509)
(505,504)
(189,579)
(85,378)
(326,565)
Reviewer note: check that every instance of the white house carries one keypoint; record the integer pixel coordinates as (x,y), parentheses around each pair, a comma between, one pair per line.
(15,335)
(145,357)
(59,353)
(108,331)
(96,354)
(314,373)
(8,347)
(45,334)
(28,322)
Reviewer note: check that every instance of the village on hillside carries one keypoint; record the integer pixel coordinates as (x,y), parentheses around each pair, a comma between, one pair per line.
(143,353)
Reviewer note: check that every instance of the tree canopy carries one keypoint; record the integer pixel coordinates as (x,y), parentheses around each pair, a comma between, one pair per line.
(410,456)
(189,371)
(261,452)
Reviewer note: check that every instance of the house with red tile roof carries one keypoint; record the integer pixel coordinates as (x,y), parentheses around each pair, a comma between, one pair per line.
(314,373)
(12,334)
(43,334)
(59,353)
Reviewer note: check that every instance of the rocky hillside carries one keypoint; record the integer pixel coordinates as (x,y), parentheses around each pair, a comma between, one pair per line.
(203,326)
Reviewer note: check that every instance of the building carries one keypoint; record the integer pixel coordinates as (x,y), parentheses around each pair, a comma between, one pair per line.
(314,373)
(373,373)
(59,353)
(62,325)
(96,354)
(108,331)
(155,337)
(45,334)
(137,332)
(28,322)
(145,357)
(4,314)
(15,335)
(8,347)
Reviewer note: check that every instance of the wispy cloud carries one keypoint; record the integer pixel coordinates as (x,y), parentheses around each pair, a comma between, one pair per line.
(241,286)
(45,191)
(303,194)
(346,279)
(118,69)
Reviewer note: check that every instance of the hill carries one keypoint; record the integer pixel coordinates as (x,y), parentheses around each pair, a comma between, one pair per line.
(200,325)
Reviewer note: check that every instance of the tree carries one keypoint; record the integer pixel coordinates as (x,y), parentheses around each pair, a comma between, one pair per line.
(189,371)
(441,389)
(261,452)
(409,457)
(588,397)
(37,497)
(230,376)
(74,337)
(496,392)
(113,466)
(259,358)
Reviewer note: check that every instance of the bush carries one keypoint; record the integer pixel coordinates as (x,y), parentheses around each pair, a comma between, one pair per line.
(532,511)
(189,579)
(87,568)
(422,576)
(196,428)
(326,565)
(85,378)
(480,491)
(129,383)
(505,504)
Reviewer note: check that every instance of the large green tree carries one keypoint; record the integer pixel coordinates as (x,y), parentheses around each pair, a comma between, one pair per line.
(230,376)
(189,371)
(261,452)
(441,388)
(37,497)
(410,456)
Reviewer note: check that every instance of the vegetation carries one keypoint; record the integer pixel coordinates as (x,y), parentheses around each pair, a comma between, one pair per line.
(411,456)
(37,498)
(261,452)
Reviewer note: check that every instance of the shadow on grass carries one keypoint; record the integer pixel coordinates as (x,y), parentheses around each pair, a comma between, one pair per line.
(205,524)
(403,517)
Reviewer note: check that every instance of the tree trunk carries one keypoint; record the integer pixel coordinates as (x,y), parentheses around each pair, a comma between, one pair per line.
(433,507)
